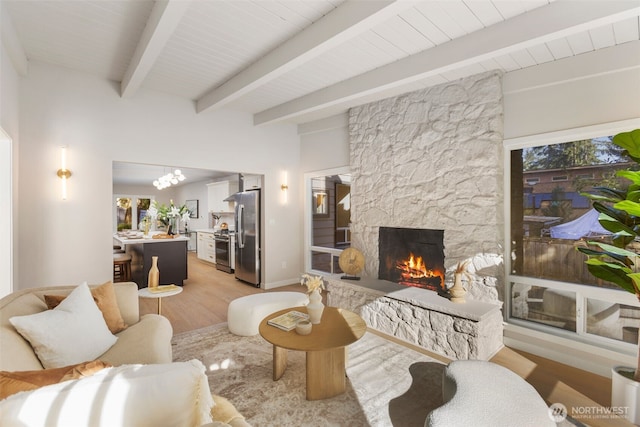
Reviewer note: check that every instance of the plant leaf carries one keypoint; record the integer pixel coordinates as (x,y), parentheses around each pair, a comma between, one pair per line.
(630,141)
(630,207)
(611,273)
(633,176)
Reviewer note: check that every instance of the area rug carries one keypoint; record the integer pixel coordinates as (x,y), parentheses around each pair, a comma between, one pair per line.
(387,384)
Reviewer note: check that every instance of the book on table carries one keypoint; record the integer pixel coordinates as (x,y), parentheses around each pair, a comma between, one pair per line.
(288,320)
(163,288)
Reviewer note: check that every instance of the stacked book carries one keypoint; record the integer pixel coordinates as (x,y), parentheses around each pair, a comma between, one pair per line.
(288,320)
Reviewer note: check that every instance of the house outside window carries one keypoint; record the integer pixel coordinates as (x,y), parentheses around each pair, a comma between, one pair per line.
(548,285)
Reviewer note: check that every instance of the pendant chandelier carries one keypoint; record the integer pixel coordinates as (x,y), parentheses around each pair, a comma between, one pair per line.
(169,179)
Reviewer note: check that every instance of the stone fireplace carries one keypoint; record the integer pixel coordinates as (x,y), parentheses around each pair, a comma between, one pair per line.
(430,159)
(412,257)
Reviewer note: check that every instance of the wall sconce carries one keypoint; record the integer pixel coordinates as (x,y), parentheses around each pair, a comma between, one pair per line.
(63,173)
(284,187)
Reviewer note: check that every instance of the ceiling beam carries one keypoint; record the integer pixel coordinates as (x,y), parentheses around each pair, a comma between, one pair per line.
(343,23)
(556,20)
(165,17)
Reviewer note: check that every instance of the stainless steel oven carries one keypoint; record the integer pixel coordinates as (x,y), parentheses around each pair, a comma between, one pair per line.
(223,252)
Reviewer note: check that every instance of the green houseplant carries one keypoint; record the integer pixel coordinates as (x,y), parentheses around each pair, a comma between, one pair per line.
(619,213)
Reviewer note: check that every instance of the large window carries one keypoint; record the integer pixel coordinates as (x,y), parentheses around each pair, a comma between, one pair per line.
(130,210)
(549,286)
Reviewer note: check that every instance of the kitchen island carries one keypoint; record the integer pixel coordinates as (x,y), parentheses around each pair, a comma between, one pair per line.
(171,253)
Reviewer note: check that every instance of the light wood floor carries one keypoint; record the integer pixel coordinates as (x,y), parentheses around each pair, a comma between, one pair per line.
(207,294)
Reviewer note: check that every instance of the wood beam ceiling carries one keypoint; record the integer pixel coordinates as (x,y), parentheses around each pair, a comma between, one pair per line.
(343,23)
(559,19)
(165,17)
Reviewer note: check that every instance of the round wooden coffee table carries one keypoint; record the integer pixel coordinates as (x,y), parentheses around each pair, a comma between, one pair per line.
(325,347)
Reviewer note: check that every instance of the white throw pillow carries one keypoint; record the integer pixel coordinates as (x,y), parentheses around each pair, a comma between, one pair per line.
(171,394)
(73,332)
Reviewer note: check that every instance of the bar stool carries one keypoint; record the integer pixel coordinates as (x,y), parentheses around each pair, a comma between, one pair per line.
(121,267)
(118,249)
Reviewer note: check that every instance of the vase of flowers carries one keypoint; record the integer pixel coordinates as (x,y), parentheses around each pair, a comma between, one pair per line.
(315,307)
(169,216)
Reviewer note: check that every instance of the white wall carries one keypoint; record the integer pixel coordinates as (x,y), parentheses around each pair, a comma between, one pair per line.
(324,143)
(70,241)
(9,125)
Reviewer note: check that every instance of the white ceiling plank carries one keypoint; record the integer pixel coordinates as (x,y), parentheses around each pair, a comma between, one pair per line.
(402,35)
(486,12)
(559,19)
(423,25)
(627,30)
(434,12)
(560,48)
(541,53)
(523,58)
(460,13)
(341,24)
(509,8)
(165,17)
(491,64)
(603,37)
(507,63)
(580,43)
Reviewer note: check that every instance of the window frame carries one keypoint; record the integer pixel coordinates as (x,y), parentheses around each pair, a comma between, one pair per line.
(583,292)
(309,248)
(134,208)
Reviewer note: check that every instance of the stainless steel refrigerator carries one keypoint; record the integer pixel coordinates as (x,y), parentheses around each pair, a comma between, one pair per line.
(247,212)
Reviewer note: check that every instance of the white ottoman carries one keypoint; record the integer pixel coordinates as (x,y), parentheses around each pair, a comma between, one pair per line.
(484,394)
(245,313)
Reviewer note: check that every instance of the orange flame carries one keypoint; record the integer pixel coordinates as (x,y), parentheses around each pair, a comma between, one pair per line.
(413,269)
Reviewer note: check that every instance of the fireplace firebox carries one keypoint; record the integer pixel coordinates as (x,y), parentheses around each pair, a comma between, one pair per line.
(412,257)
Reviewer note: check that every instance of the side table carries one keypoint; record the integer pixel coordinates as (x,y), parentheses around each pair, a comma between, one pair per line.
(146,293)
(325,349)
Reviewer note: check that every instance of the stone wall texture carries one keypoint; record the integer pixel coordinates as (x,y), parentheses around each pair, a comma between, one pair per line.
(454,337)
(432,159)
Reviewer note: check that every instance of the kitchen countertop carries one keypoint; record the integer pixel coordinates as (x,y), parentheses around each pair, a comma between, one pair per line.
(131,241)
(210,230)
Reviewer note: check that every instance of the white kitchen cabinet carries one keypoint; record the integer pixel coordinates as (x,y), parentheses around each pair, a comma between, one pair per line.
(217,192)
(206,247)
(251,182)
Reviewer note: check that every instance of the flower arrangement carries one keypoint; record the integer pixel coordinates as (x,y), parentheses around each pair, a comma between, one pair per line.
(165,213)
(313,283)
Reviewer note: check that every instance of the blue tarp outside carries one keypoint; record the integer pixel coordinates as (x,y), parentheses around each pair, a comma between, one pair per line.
(585,226)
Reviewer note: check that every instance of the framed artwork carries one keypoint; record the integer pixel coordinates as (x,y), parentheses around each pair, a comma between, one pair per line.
(192,205)
(320,202)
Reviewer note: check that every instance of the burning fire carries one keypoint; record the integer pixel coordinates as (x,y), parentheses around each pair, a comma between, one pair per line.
(414,271)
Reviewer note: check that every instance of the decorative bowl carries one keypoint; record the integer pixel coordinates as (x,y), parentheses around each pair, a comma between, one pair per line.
(303,327)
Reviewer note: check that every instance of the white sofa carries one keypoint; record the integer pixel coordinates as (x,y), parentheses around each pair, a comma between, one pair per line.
(145,343)
(146,340)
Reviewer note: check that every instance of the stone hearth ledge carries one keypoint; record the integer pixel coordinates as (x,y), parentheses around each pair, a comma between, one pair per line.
(472,330)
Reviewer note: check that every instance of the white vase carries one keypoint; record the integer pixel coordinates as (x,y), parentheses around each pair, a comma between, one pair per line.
(625,393)
(315,307)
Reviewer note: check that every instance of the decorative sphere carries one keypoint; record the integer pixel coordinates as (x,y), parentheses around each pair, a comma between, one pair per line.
(351,261)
